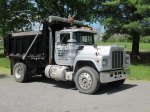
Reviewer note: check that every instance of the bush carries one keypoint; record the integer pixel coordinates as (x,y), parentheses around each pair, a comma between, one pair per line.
(145,39)
(122,39)
(126,39)
(105,37)
(112,39)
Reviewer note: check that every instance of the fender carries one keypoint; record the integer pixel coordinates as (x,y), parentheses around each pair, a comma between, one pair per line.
(84,60)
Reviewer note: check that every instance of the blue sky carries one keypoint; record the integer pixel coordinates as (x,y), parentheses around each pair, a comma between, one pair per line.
(95,26)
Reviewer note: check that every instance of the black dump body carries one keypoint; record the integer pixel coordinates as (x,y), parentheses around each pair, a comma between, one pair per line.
(17,44)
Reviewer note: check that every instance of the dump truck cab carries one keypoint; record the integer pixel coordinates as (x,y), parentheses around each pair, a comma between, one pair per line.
(69,42)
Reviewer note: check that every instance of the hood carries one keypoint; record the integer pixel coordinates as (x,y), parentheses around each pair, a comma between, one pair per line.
(101,50)
(105,50)
(88,50)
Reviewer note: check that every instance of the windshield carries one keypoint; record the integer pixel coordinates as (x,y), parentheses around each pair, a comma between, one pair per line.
(84,38)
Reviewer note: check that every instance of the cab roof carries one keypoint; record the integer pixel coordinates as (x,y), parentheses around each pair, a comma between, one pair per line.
(79,30)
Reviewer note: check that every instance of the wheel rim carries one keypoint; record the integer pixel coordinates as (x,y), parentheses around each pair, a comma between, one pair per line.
(85,80)
(18,72)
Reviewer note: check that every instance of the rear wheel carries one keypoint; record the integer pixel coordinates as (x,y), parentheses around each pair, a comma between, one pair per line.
(87,80)
(19,72)
(29,77)
(116,83)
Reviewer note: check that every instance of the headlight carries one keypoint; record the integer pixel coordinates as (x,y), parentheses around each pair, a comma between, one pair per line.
(105,62)
(127,61)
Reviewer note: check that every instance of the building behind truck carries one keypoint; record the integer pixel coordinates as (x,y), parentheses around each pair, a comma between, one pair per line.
(65,50)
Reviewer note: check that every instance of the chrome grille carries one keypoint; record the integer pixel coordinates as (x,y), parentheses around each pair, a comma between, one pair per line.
(117,59)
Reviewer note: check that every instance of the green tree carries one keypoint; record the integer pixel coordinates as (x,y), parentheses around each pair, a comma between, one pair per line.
(79,9)
(0,31)
(16,15)
(128,17)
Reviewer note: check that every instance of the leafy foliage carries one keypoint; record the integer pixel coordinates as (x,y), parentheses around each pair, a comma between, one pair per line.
(0,31)
(20,15)
(16,15)
(79,9)
(145,39)
(112,39)
(130,17)
(126,16)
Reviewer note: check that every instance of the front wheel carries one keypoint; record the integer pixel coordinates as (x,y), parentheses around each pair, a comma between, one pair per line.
(116,83)
(19,72)
(87,80)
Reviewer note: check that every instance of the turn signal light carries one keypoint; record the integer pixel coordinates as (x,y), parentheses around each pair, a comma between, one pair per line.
(97,61)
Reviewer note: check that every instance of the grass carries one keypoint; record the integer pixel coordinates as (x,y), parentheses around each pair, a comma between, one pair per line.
(3,61)
(140,69)
(1,46)
(4,70)
(139,72)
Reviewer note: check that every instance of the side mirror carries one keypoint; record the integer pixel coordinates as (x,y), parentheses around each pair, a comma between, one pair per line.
(80,47)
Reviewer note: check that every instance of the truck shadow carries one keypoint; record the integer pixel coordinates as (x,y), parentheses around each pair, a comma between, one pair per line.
(2,76)
(58,84)
(104,88)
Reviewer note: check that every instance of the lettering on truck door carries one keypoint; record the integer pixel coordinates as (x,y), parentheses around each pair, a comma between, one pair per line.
(61,51)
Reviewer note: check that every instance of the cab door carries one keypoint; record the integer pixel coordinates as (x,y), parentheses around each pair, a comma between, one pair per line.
(61,49)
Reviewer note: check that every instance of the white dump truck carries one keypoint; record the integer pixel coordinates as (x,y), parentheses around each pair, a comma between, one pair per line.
(65,51)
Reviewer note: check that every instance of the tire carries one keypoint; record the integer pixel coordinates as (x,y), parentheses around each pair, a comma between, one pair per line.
(19,72)
(28,78)
(87,80)
(116,83)
(98,78)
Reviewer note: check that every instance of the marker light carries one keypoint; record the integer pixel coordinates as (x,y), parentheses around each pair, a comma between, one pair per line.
(71,19)
(97,61)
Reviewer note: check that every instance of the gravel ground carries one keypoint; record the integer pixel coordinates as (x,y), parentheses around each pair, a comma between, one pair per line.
(47,95)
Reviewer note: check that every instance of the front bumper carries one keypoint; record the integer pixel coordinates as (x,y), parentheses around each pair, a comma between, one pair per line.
(111,76)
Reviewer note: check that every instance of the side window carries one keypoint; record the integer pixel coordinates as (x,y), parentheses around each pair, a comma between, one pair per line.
(64,37)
